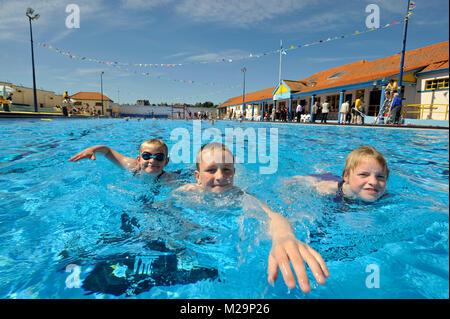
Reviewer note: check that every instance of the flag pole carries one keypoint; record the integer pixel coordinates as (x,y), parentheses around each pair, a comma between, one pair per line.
(279,73)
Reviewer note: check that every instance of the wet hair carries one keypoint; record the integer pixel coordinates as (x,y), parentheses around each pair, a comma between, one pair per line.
(358,155)
(214,146)
(155,142)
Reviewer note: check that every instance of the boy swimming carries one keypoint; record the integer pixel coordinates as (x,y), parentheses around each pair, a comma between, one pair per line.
(364,176)
(215,173)
(152,159)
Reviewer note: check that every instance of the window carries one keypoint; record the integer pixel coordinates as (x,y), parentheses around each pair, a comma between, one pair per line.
(336,75)
(436,84)
(334,102)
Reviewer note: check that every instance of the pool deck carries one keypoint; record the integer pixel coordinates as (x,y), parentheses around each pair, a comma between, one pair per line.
(334,123)
(28,115)
(375,125)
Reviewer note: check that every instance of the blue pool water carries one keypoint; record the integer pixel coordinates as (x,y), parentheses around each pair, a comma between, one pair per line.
(90,230)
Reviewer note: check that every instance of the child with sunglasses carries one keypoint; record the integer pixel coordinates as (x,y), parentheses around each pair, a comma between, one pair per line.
(152,158)
(215,174)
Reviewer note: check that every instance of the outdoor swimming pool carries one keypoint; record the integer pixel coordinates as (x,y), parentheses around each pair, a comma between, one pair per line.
(90,230)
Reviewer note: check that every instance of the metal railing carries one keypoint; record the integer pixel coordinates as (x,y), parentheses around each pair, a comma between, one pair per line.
(422,110)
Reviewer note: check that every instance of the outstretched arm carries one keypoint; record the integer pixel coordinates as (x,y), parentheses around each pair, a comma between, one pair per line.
(115,157)
(287,249)
(323,187)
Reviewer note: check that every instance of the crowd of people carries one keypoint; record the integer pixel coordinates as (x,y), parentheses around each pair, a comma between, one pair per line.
(349,113)
(6,101)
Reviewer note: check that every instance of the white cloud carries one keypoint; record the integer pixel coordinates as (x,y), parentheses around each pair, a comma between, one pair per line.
(390,6)
(177,55)
(320,22)
(143,4)
(61,35)
(211,57)
(87,71)
(338,59)
(14,23)
(237,13)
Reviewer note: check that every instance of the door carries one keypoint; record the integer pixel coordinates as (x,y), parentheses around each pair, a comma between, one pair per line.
(374,103)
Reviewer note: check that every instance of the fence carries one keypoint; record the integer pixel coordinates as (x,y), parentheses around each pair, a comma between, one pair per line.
(426,111)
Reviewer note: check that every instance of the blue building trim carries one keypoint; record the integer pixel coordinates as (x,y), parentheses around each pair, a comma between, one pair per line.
(341,100)
(311,115)
(432,72)
(336,88)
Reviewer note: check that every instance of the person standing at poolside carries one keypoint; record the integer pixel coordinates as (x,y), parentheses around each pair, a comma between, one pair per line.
(358,110)
(325,110)
(299,111)
(345,108)
(278,114)
(273,115)
(315,111)
(396,109)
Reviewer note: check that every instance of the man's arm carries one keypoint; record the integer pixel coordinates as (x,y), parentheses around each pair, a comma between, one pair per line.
(115,157)
(286,249)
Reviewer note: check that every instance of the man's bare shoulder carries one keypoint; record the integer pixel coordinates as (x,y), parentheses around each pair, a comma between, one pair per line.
(308,179)
(188,188)
(326,187)
(130,164)
(323,187)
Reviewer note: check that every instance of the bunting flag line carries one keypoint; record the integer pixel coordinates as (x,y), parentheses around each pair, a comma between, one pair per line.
(127,67)
(121,65)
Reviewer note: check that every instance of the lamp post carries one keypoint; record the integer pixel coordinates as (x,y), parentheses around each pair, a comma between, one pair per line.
(405,30)
(29,14)
(243,94)
(101,88)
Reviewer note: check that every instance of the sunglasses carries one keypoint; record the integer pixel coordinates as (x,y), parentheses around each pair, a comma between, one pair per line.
(158,156)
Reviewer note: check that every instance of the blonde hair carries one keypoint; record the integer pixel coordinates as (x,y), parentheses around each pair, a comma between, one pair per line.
(213,146)
(358,155)
(155,142)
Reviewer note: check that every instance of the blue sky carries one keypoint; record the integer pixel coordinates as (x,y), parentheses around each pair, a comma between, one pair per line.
(196,33)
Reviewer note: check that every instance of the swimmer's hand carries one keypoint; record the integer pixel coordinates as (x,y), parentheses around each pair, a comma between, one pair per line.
(286,248)
(87,153)
(290,249)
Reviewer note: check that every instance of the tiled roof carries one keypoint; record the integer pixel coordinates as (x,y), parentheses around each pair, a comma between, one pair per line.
(436,66)
(89,96)
(253,96)
(427,58)
(296,86)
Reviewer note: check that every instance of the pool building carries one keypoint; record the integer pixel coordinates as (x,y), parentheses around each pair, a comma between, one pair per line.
(424,84)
